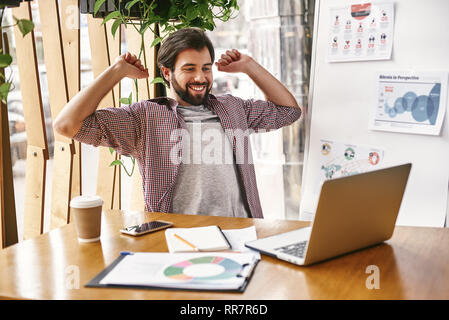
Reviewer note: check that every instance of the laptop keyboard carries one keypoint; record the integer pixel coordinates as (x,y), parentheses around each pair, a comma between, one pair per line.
(294,249)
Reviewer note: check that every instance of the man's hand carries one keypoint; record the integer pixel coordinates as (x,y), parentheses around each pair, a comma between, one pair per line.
(234,61)
(131,67)
(274,91)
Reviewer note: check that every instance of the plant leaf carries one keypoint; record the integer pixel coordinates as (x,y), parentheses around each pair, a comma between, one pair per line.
(115,26)
(4,90)
(25,26)
(116,163)
(130,4)
(111,150)
(180,25)
(5,60)
(97,6)
(113,14)
(192,13)
(148,22)
(124,100)
(209,26)
(172,12)
(157,80)
(156,41)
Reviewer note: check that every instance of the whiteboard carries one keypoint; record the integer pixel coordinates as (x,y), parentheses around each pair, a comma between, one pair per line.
(341,100)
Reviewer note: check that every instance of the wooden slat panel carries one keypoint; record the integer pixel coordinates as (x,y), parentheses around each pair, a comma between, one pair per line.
(137,201)
(8,222)
(37,152)
(57,85)
(114,48)
(168,91)
(54,59)
(133,42)
(2,185)
(8,219)
(2,188)
(150,62)
(9,213)
(117,187)
(70,34)
(62,182)
(76,188)
(100,61)
(36,166)
(29,81)
(70,22)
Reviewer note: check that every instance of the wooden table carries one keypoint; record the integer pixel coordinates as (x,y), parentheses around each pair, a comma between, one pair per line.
(414,264)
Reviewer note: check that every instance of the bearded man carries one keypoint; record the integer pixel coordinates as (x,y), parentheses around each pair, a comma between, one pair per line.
(166,135)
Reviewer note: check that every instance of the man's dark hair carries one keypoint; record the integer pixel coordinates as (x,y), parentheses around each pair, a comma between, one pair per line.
(187,38)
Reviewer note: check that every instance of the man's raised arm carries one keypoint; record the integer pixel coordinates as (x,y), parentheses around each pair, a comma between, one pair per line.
(84,103)
(234,61)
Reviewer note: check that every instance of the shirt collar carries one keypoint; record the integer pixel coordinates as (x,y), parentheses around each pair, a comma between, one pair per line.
(173,104)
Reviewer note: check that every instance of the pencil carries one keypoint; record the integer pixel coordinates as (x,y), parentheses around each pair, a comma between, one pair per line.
(186,242)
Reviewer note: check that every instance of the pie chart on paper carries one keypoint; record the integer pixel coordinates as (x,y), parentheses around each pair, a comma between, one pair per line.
(206,268)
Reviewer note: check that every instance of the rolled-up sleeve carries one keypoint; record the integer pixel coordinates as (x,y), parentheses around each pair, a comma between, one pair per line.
(119,128)
(266,115)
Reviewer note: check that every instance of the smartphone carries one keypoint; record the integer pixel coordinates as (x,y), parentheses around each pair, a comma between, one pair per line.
(146,227)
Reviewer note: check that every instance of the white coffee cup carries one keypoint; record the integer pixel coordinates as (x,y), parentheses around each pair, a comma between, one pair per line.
(86,211)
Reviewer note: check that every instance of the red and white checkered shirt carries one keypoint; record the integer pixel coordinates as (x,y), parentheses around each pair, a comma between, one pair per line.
(144,131)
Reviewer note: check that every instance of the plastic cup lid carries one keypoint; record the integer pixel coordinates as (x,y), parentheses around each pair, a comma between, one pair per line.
(86,202)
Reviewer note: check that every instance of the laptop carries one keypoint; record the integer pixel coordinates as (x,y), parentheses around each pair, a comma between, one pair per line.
(353,212)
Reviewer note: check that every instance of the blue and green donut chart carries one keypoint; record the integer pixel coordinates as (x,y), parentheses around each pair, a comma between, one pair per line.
(207,268)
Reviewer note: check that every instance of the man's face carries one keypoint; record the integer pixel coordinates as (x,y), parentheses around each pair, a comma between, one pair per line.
(192,79)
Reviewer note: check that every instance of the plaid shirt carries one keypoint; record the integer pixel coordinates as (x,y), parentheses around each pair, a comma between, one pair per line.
(144,131)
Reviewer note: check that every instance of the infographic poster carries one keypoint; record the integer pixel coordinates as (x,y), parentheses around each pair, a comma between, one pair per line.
(339,159)
(361,32)
(410,103)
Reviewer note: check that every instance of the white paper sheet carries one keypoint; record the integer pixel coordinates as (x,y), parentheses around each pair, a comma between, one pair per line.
(338,159)
(207,238)
(361,32)
(238,238)
(410,102)
(210,270)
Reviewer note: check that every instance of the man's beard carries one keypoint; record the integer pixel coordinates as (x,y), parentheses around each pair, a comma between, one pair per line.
(185,95)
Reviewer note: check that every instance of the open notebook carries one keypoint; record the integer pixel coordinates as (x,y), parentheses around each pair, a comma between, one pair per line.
(210,238)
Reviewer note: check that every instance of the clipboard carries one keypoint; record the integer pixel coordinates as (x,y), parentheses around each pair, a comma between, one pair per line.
(245,275)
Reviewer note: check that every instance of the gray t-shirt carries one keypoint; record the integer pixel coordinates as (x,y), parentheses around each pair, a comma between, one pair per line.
(207,182)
